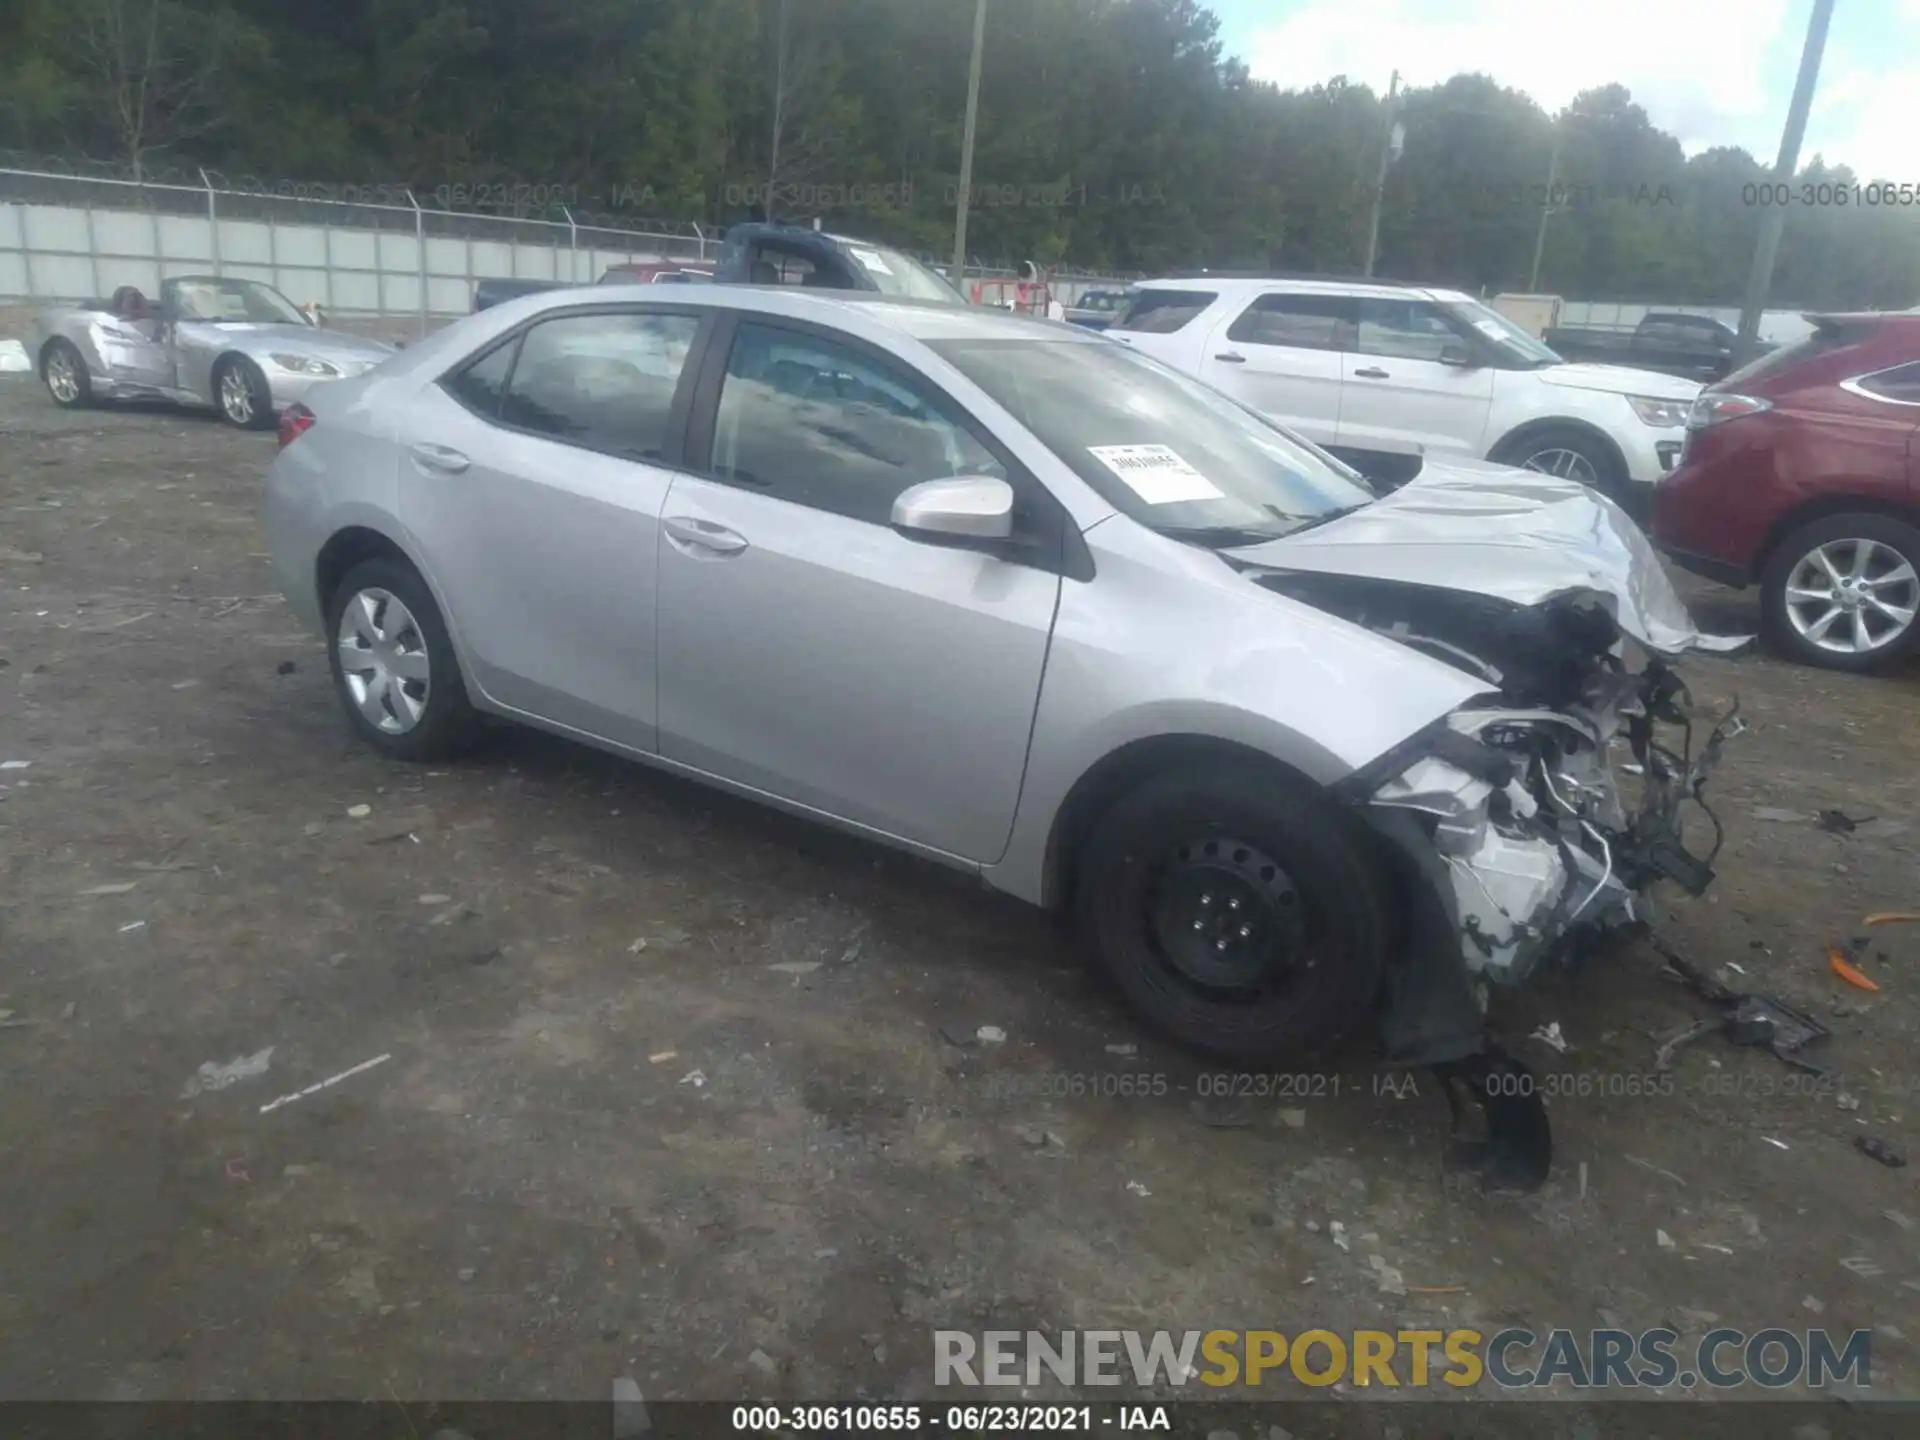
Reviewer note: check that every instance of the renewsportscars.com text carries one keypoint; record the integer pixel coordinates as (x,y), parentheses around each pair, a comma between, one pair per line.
(1513,1359)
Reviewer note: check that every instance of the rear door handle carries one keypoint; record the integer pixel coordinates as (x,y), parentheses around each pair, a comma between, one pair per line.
(1371,373)
(703,536)
(440,457)
(1231,358)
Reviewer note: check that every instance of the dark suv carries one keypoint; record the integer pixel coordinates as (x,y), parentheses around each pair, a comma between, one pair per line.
(1801,473)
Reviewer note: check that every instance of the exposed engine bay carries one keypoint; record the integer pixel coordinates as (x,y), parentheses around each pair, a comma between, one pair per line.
(1508,817)
(1519,795)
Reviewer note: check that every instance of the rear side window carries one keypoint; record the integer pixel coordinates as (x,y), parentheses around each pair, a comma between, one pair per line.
(603,381)
(1826,337)
(1902,384)
(1300,322)
(1161,312)
(480,386)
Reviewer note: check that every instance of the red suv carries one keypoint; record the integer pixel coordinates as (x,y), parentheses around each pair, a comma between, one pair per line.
(1801,473)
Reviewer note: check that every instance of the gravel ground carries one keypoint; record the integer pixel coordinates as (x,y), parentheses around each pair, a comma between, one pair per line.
(664,1089)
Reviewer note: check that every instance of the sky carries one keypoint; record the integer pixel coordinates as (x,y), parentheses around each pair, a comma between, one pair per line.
(1711,72)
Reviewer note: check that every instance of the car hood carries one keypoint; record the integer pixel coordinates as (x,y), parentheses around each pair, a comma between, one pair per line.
(332,345)
(1619,380)
(1513,535)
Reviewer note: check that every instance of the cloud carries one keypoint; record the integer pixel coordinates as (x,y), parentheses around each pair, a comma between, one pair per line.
(1711,72)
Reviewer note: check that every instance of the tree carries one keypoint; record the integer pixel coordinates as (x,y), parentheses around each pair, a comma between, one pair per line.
(153,67)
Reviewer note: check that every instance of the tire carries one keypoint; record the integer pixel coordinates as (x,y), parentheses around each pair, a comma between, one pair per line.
(1569,454)
(428,715)
(64,373)
(1794,574)
(241,395)
(1287,856)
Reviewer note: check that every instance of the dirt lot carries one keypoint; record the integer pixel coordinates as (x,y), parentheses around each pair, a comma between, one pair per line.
(741,1158)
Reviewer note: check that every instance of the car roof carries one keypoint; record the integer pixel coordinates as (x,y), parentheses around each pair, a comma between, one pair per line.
(919,319)
(1238,283)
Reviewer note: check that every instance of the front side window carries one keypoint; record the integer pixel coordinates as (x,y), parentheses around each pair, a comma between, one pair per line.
(1406,330)
(603,381)
(823,425)
(1515,348)
(1298,322)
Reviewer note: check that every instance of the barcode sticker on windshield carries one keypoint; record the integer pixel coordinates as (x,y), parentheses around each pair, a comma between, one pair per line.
(871,259)
(1155,473)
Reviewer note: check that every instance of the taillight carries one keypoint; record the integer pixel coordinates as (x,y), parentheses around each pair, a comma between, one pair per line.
(1716,409)
(295,421)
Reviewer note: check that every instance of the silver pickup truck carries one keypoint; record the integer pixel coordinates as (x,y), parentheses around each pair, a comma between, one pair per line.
(236,346)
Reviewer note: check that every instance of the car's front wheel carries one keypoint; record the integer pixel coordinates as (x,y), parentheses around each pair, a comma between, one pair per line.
(1240,912)
(65,374)
(394,666)
(242,394)
(1569,454)
(1844,592)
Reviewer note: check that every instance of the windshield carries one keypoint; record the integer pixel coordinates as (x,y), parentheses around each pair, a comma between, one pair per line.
(1104,301)
(230,302)
(895,274)
(1177,456)
(1514,344)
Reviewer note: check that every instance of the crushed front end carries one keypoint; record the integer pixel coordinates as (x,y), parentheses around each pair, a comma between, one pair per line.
(1530,824)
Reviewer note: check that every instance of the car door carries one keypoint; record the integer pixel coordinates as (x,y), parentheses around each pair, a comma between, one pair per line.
(810,652)
(1415,382)
(532,479)
(136,351)
(1282,356)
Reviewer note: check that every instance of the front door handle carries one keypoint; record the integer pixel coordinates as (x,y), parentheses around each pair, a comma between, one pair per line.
(440,457)
(1231,358)
(1371,373)
(703,536)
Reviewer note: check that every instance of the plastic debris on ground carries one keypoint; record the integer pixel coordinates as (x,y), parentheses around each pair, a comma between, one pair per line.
(212,1076)
(1874,1148)
(1745,1019)
(1550,1036)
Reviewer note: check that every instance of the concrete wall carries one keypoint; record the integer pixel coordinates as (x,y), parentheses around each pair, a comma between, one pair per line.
(64,252)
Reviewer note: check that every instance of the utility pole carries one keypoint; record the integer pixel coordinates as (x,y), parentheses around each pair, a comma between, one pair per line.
(966,147)
(1774,218)
(1380,180)
(1546,209)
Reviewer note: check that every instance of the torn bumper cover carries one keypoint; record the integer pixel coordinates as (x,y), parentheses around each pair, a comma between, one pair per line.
(1536,844)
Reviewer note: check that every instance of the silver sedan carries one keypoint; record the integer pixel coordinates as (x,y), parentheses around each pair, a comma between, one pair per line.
(1294,754)
(210,341)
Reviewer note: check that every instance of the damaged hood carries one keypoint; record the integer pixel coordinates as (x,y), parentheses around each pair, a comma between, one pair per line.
(1513,535)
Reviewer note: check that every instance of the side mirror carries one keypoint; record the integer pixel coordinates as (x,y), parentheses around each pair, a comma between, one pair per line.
(1455,354)
(967,507)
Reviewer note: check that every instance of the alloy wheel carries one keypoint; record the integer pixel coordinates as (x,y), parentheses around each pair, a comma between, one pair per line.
(1852,596)
(383,660)
(236,396)
(62,379)
(1567,464)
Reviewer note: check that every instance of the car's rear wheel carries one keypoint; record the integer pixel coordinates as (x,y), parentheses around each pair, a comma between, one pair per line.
(65,374)
(393,664)
(1569,454)
(241,392)
(1844,592)
(1240,912)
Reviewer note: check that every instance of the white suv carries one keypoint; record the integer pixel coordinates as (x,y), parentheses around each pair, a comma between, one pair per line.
(1382,373)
